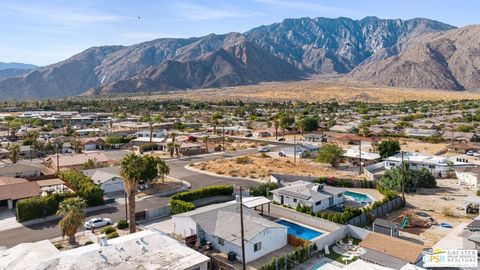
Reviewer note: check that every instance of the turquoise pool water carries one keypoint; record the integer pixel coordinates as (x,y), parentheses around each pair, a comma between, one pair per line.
(299,231)
(358,197)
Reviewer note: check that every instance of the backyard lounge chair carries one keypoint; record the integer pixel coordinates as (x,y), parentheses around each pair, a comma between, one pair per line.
(326,249)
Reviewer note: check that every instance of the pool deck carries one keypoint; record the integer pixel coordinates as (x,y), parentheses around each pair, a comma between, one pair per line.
(327,264)
(373,193)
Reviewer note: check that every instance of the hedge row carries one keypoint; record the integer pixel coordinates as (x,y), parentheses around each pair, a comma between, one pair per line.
(205,192)
(181,202)
(263,189)
(83,187)
(40,206)
(339,182)
(298,256)
(349,212)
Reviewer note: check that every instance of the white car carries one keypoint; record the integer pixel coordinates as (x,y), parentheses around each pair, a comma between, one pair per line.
(263,149)
(97,222)
(476,154)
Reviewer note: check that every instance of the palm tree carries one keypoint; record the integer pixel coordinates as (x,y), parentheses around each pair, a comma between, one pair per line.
(131,172)
(173,135)
(76,144)
(73,212)
(205,141)
(276,125)
(162,169)
(215,117)
(14,150)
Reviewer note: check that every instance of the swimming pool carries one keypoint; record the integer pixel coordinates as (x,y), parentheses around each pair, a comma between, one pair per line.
(358,197)
(299,231)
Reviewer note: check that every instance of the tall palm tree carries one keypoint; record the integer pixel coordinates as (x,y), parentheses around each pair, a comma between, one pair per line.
(14,150)
(73,212)
(205,141)
(131,172)
(276,125)
(173,135)
(162,169)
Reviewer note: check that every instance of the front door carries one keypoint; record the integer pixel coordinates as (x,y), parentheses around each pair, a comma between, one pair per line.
(281,199)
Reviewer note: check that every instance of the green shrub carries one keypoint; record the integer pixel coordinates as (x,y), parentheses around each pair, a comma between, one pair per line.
(83,187)
(205,192)
(88,243)
(261,190)
(58,246)
(108,230)
(148,147)
(122,224)
(40,206)
(112,235)
(181,202)
(478,192)
(179,206)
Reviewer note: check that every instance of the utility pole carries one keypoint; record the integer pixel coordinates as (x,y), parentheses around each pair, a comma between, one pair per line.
(241,229)
(403,180)
(294,137)
(360,157)
(223,137)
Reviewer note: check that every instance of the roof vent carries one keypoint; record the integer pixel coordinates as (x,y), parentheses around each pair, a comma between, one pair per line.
(318,187)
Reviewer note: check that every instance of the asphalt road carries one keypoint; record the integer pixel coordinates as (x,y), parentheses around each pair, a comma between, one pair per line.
(50,230)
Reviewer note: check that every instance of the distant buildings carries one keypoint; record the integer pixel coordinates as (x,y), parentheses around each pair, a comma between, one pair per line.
(76,161)
(468,176)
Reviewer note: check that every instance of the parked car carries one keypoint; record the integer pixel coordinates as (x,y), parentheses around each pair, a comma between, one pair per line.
(263,149)
(282,154)
(97,222)
(249,135)
(470,153)
(476,154)
(281,140)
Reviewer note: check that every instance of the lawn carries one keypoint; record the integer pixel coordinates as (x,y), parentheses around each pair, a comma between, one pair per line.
(338,257)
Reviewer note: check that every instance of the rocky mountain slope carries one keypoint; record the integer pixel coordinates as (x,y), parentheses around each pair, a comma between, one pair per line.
(449,60)
(290,50)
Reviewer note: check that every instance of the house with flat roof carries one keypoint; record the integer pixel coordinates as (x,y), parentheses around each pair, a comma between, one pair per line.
(143,136)
(355,157)
(468,176)
(439,166)
(219,224)
(422,133)
(317,196)
(389,251)
(148,249)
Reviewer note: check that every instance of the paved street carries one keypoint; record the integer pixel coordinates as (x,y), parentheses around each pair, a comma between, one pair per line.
(49,230)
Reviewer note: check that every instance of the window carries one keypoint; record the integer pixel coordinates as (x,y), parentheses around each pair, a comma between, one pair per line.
(257,246)
(330,201)
(221,241)
(391,164)
(431,166)
(294,200)
(340,195)
(318,203)
(154,135)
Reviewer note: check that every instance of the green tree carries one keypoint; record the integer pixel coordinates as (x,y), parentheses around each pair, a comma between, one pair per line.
(173,146)
(72,211)
(286,121)
(330,153)
(388,148)
(205,140)
(308,124)
(216,116)
(162,169)
(134,168)
(14,150)
(89,164)
(276,125)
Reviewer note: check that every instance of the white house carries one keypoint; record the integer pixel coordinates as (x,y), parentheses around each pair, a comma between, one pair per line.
(468,176)
(219,224)
(147,249)
(143,136)
(367,158)
(107,178)
(438,166)
(316,196)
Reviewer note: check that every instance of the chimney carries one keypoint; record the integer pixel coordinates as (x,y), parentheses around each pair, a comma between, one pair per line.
(102,240)
(318,187)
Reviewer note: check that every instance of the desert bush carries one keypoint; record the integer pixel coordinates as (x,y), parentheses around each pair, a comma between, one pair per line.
(112,235)
(108,230)
(243,160)
(448,212)
(122,224)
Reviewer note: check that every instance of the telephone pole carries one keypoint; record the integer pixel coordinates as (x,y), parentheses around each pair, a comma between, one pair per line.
(241,229)
(360,157)
(403,180)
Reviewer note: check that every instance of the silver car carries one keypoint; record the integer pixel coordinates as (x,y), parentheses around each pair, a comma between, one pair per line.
(97,222)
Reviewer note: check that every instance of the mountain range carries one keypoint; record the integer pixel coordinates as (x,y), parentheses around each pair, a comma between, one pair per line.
(418,53)
(8,70)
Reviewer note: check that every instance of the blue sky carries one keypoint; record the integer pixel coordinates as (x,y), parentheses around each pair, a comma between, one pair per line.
(44,32)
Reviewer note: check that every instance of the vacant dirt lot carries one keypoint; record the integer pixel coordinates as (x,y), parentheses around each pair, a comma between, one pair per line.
(448,195)
(411,145)
(261,166)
